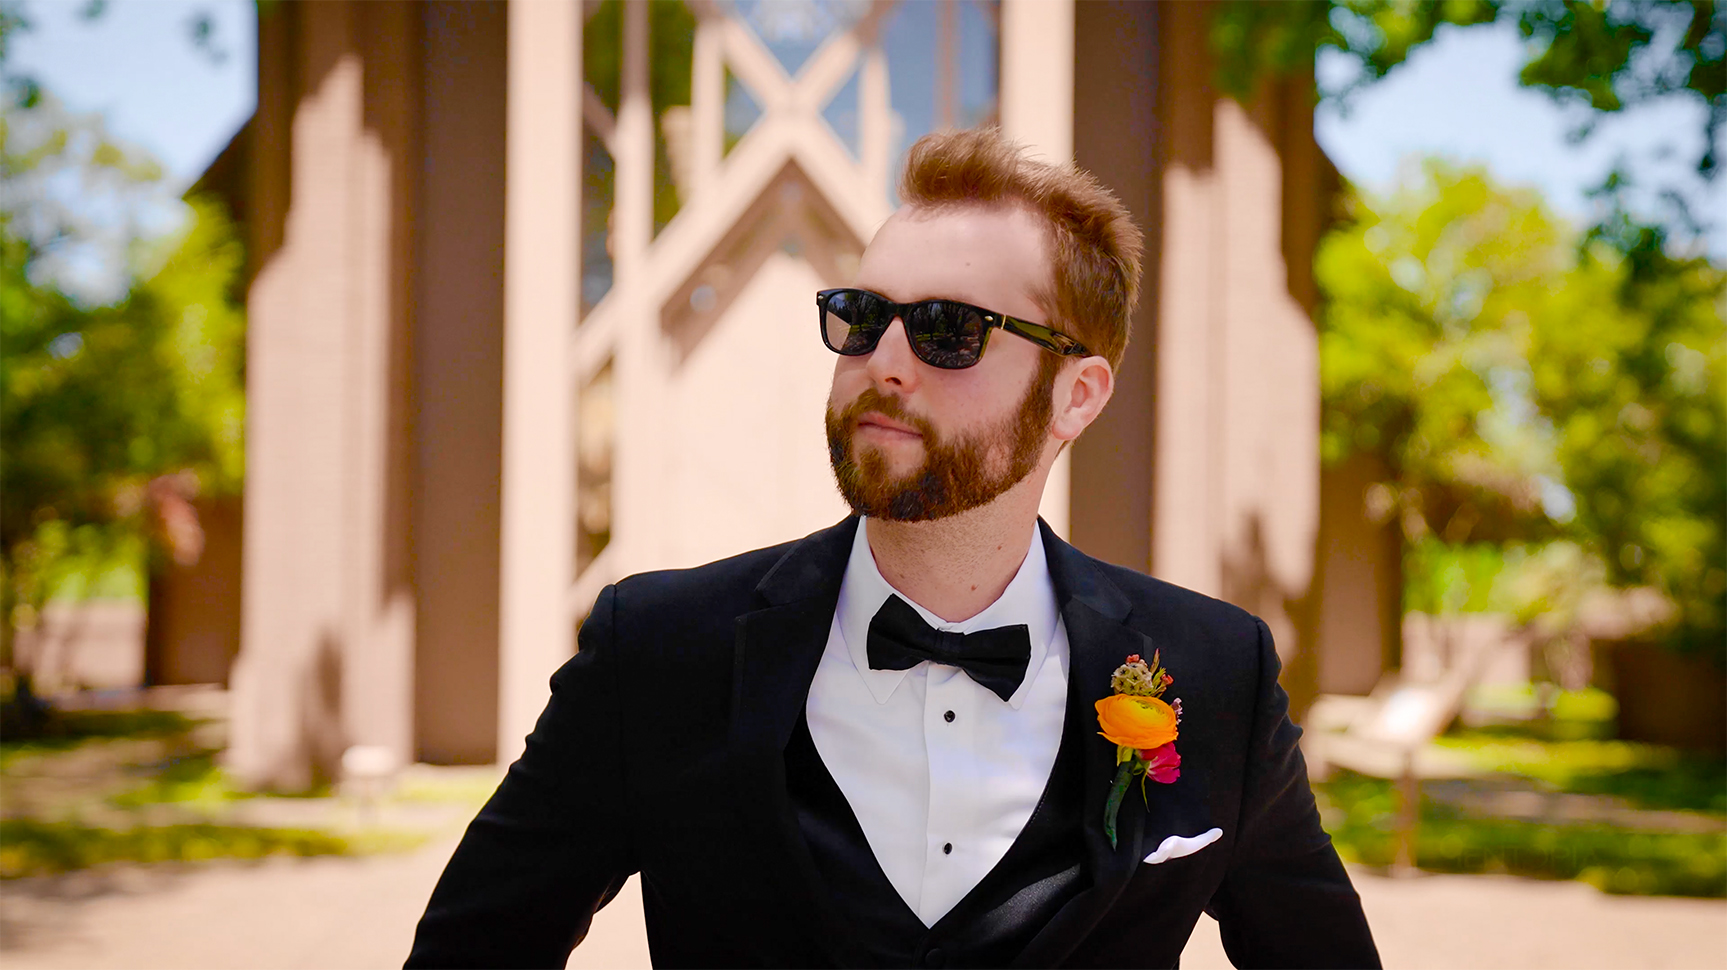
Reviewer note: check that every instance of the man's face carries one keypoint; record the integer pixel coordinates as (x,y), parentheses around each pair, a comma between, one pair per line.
(911,442)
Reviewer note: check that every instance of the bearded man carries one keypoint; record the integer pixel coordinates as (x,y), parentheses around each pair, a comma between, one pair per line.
(934,734)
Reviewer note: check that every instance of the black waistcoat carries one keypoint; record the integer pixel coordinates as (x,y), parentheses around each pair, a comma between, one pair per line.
(1041,871)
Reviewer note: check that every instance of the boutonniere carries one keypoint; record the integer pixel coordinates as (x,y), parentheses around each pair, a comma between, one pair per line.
(1142,727)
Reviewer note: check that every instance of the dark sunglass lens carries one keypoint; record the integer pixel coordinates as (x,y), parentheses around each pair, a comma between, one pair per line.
(946,334)
(849,323)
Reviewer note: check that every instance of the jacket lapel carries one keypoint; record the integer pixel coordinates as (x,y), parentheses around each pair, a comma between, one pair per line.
(778,648)
(1094,609)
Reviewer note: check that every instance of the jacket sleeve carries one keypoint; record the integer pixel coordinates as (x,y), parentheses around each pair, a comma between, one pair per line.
(551,845)
(1286,900)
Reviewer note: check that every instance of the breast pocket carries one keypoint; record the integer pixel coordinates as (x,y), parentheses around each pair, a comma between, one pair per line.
(1180,846)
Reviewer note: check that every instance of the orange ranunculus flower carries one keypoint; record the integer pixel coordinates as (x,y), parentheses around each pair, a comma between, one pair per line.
(1136,722)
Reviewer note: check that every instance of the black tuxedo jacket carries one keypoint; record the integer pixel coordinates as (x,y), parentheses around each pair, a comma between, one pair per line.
(662,752)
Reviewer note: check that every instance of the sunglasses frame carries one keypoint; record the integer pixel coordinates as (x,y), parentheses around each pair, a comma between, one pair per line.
(1049,339)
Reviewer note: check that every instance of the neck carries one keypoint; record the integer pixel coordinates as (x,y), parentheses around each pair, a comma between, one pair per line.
(957,566)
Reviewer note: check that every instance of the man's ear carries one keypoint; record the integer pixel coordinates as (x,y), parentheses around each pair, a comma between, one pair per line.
(1081,390)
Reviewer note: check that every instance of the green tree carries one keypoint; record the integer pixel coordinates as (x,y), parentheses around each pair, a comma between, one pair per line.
(113,413)
(1524,384)
(1607,55)
(1424,352)
(1631,369)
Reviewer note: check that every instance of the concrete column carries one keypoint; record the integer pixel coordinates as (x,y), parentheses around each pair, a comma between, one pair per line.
(258,741)
(1115,88)
(1268,395)
(285,679)
(1236,509)
(707,102)
(542,259)
(1185,527)
(458,382)
(875,113)
(193,632)
(1037,55)
(378,665)
(633,154)
(641,469)
(1359,613)
(325,625)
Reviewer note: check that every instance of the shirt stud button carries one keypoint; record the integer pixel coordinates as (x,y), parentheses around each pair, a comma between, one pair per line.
(948,717)
(947,849)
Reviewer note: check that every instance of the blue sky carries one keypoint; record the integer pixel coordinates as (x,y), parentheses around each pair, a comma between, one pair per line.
(137,66)
(1456,97)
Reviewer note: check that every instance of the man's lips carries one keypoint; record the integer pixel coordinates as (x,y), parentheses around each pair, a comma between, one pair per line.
(875,420)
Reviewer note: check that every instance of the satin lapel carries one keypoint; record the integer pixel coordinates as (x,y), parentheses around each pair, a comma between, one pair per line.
(1093,608)
(778,649)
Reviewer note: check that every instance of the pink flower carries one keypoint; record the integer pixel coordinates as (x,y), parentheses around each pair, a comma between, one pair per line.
(1163,764)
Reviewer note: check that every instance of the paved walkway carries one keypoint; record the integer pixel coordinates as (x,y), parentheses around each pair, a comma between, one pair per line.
(340,913)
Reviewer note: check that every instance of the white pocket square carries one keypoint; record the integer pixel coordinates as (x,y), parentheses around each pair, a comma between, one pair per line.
(1177,846)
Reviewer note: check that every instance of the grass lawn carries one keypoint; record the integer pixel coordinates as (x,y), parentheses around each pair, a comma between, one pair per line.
(97,787)
(1625,817)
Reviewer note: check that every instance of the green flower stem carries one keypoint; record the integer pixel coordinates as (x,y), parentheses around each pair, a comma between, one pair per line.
(1123,774)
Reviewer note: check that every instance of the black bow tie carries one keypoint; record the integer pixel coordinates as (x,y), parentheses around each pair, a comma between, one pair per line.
(899,639)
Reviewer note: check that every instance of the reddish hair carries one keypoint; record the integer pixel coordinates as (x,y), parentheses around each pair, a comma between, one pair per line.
(1093,244)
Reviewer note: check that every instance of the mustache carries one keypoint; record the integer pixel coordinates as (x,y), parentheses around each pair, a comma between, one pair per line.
(887,406)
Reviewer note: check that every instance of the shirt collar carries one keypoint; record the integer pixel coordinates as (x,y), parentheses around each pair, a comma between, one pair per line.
(1028,599)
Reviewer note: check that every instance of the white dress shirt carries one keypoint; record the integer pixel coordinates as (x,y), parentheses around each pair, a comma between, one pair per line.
(941,773)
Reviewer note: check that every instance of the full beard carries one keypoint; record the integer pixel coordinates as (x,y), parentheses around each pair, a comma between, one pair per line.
(956,474)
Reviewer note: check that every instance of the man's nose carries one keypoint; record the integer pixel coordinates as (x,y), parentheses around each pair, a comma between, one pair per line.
(892,361)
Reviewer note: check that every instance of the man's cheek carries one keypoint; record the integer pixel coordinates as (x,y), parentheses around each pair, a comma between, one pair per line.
(849,380)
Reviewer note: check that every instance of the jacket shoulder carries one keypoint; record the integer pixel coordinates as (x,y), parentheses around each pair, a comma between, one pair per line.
(1163,603)
(691,589)
(801,567)
(684,618)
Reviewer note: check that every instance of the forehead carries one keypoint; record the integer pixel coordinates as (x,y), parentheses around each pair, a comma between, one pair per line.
(993,256)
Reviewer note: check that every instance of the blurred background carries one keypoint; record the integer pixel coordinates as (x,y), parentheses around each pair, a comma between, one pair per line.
(347,350)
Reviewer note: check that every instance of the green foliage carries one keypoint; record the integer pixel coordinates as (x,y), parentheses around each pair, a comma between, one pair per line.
(110,410)
(1608,56)
(1646,776)
(90,562)
(97,787)
(470,787)
(1695,784)
(1541,713)
(1615,55)
(671,42)
(1592,704)
(69,729)
(1257,39)
(1523,386)
(1424,349)
(1359,814)
(13,20)
(1633,373)
(98,401)
(671,34)
(1521,751)
(35,848)
(1440,578)
(188,779)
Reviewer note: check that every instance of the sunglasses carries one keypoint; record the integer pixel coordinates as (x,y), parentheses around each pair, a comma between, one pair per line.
(943,333)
